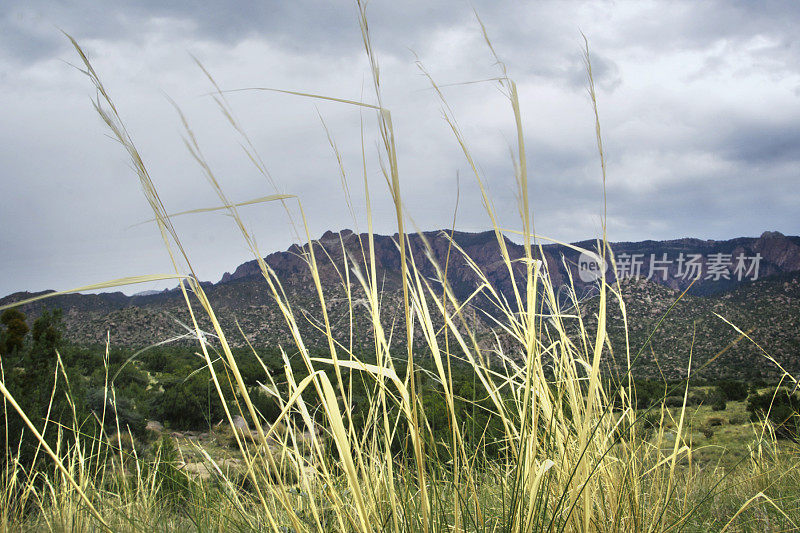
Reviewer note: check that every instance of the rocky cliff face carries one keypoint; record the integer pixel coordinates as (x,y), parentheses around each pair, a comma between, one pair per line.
(674,264)
(242,299)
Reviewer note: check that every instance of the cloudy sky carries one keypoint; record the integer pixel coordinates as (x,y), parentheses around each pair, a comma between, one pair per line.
(699,104)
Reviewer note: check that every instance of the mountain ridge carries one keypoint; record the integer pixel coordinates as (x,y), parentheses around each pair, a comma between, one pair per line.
(241,298)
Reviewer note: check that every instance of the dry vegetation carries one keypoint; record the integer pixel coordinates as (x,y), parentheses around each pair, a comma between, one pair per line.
(569,459)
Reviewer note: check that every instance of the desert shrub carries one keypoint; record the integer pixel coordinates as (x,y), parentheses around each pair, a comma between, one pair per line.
(648,392)
(674,401)
(250,369)
(265,404)
(189,403)
(696,398)
(733,391)
(86,360)
(717,399)
(122,441)
(781,409)
(648,424)
(155,360)
(116,405)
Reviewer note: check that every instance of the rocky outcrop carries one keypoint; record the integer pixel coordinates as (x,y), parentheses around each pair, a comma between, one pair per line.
(242,296)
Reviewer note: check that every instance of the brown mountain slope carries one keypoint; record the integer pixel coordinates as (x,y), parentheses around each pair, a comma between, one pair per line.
(242,299)
(768,310)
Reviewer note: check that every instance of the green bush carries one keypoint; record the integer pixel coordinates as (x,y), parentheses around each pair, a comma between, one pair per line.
(696,398)
(737,420)
(124,408)
(733,391)
(781,409)
(189,403)
(717,399)
(674,401)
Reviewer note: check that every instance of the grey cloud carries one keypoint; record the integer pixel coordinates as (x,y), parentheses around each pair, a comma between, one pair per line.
(687,24)
(762,143)
(709,205)
(681,163)
(605,73)
(312,26)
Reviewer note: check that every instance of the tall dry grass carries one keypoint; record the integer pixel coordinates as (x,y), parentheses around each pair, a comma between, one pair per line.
(571,461)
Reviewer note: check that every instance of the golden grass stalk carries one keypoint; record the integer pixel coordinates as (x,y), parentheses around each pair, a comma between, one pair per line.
(569,460)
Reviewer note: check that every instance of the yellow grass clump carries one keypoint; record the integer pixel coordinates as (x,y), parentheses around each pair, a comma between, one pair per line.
(570,460)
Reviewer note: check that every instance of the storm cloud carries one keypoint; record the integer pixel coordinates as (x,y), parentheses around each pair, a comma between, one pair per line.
(699,105)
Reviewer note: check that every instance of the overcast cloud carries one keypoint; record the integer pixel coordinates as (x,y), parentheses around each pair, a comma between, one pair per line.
(699,104)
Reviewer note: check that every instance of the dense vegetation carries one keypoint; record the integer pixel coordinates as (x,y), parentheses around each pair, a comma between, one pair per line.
(172,385)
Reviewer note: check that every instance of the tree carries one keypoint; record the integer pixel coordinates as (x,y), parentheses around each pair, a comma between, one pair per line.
(40,360)
(47,333)
(12,339)
(32,380)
